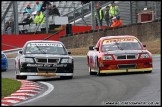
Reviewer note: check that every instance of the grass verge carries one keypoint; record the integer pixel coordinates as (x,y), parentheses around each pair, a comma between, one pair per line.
(9,86)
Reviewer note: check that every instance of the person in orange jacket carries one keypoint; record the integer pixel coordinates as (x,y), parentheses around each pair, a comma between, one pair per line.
(116,22)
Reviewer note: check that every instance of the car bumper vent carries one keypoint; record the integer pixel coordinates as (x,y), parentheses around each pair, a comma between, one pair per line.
(126,66)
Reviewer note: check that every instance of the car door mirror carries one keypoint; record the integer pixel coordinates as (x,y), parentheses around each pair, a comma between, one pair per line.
(69,52)
(91,47)
(97,49)
(20,52)
(144,45)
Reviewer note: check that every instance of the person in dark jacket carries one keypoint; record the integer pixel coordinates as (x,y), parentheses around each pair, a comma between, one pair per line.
(28,19)
(54,11)
(43,8)
(107,16)
(84,2)
(100,14)
(9,26)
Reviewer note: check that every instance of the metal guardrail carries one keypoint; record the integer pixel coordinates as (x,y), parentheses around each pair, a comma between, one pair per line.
(80,10)
(11,50)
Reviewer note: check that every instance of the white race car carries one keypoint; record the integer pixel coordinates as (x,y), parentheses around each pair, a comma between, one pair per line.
(44,58)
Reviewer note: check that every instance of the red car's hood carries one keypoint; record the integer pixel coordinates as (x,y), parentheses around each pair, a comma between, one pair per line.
(125,52)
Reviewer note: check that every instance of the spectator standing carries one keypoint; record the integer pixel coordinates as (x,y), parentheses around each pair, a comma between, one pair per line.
(106,15)
(100,14)
(9,26)
(39,18)
(28,19)
(116,22)
(38,6)
(114,10)
(54,11)
(43,8)
(27,9)
(84,2)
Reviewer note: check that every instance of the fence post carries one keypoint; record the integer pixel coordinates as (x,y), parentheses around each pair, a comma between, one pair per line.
(92,15)
(131,18)
(47,14)
(15,9)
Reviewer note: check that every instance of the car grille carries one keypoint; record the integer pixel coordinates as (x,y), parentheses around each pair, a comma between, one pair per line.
(43,70)
(125,57)
(126,66)
(47,60)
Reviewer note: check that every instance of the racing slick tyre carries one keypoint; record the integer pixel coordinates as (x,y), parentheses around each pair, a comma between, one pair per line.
(98,71)
(66,77)
(22,77)
(4,70)
(148,71)
(17,76)
(90,72)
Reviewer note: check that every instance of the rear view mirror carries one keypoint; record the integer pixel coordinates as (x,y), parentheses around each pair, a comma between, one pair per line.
(96,48)
(20,52)
(69,52)
(91,48)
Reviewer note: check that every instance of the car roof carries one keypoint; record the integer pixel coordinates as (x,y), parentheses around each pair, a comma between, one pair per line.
(119,36)
(43,41)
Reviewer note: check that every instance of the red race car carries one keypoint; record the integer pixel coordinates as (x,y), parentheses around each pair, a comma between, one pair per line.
(115,54)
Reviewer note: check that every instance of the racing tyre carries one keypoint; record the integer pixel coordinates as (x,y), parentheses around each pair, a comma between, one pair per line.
(4,70)
(22,77)
(66,77)
(17,77)
(98,71)
(148,71)
(90,72)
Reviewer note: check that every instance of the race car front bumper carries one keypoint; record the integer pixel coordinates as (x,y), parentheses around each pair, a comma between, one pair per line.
(47,69)
(125,66)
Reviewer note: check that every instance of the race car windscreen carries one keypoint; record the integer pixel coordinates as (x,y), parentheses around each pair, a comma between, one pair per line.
(120,44)
(45,48)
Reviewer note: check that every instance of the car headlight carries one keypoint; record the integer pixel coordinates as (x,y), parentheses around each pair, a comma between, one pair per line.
(29,60)
(66,61)
(107,57)
(144,56)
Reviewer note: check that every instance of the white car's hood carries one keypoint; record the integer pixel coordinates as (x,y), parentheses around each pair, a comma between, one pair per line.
(45,55)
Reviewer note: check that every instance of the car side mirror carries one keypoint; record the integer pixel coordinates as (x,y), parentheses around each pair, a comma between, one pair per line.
(144,45)
(91,48)
(69,52)
(20,52)
(97,49)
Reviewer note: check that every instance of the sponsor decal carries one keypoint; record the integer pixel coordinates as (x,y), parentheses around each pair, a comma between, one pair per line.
(46,65)
(119,40)
(44,44)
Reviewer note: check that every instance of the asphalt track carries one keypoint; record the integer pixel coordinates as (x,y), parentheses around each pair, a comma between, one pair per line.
(84,89)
